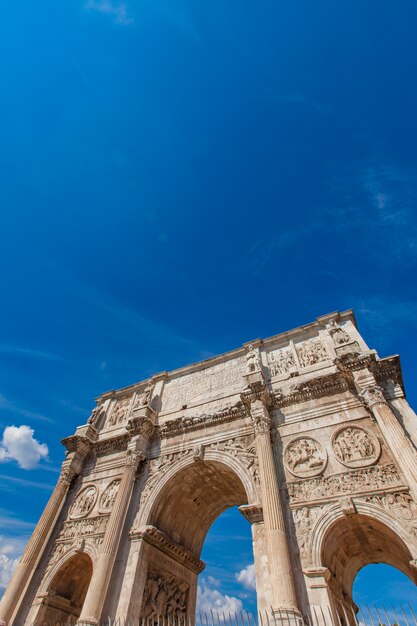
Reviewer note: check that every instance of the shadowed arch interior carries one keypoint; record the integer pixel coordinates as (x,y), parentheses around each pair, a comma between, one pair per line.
(192,500)
(355,541)
(67,591)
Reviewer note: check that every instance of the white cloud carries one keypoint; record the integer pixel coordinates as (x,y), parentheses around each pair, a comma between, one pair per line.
(114,8)
(209,599)
(10,552)
(246,577)
(18,444)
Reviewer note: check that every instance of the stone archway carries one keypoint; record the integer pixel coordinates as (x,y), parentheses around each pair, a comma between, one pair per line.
(184,504)
(350,543)
(66,593)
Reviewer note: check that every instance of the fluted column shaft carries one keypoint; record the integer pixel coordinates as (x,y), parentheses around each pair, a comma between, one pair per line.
(24,570)
(401,446)
(282,584)
(96,595)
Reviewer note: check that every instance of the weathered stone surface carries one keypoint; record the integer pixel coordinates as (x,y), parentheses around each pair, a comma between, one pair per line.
(308,432)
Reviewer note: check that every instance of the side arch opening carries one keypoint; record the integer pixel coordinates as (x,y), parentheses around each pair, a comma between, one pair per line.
(67,591)
(351,543)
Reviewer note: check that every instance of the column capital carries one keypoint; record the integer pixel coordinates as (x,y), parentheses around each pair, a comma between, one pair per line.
(134,458)
(261,419)
(67,475)
(372,396)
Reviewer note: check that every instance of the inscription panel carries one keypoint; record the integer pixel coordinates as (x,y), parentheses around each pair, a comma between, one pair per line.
(199,385)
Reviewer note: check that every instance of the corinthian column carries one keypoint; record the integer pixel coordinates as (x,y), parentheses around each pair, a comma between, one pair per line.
(15,590)
(96,595)
(401,447)
(282,584)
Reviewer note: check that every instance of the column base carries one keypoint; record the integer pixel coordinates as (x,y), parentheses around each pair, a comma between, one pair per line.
(88,621)
(287,616)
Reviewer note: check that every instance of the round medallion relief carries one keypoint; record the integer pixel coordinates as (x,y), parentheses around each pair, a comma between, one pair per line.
(355,447)
(305,457)
(84,502)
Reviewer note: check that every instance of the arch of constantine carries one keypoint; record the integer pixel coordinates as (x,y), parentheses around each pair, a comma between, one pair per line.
(307,432)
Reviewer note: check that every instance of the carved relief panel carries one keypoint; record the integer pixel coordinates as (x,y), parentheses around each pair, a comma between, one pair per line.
(84,502)
(355,447)
(119,413)
(282,362)
(164,596)
(305,457)
(311,352)
(109,495)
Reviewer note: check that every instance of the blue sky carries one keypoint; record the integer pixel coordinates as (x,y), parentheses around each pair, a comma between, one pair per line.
(180,177)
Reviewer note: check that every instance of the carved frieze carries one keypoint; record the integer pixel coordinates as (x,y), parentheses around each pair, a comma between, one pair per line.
(305,457)
(178,553)
(84,502)
(311,352)
(109,495)
(188,424)
(401,505)
(355,447)
(164,596)
(83,527)
(356,481)
(119,413)
(282,362)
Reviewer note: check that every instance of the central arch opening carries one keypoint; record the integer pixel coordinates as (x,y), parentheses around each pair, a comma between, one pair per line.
(193,499)
(184,510)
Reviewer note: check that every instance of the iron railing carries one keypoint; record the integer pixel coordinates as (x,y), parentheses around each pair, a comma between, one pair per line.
(404,614)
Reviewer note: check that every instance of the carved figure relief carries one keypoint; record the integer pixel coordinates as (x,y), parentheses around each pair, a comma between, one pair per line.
(355,447)
(305,457)
(109,495)
(366,479)
(402,506)
(164,596)
(304,520)
(253,363)
(119,413)
(84,502)
(281,362)
(83,527)
(144,399)
(96,413)
(338,333)
(312,352)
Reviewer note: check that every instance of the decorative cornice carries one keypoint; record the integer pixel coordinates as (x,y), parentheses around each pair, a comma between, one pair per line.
(141,425)
(78,443)
(113,444)
(311,389)
(162,542)
(257,391)
(354,361)
(188,424)
(389,368)
(253,513)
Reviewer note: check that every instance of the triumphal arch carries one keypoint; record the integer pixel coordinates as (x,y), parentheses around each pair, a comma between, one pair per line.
(307,432)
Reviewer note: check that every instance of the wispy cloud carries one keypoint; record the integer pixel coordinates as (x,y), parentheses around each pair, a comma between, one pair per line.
(378,202)
(246,577)
(114,8)
(12,407)
(27,352)
(5,481)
